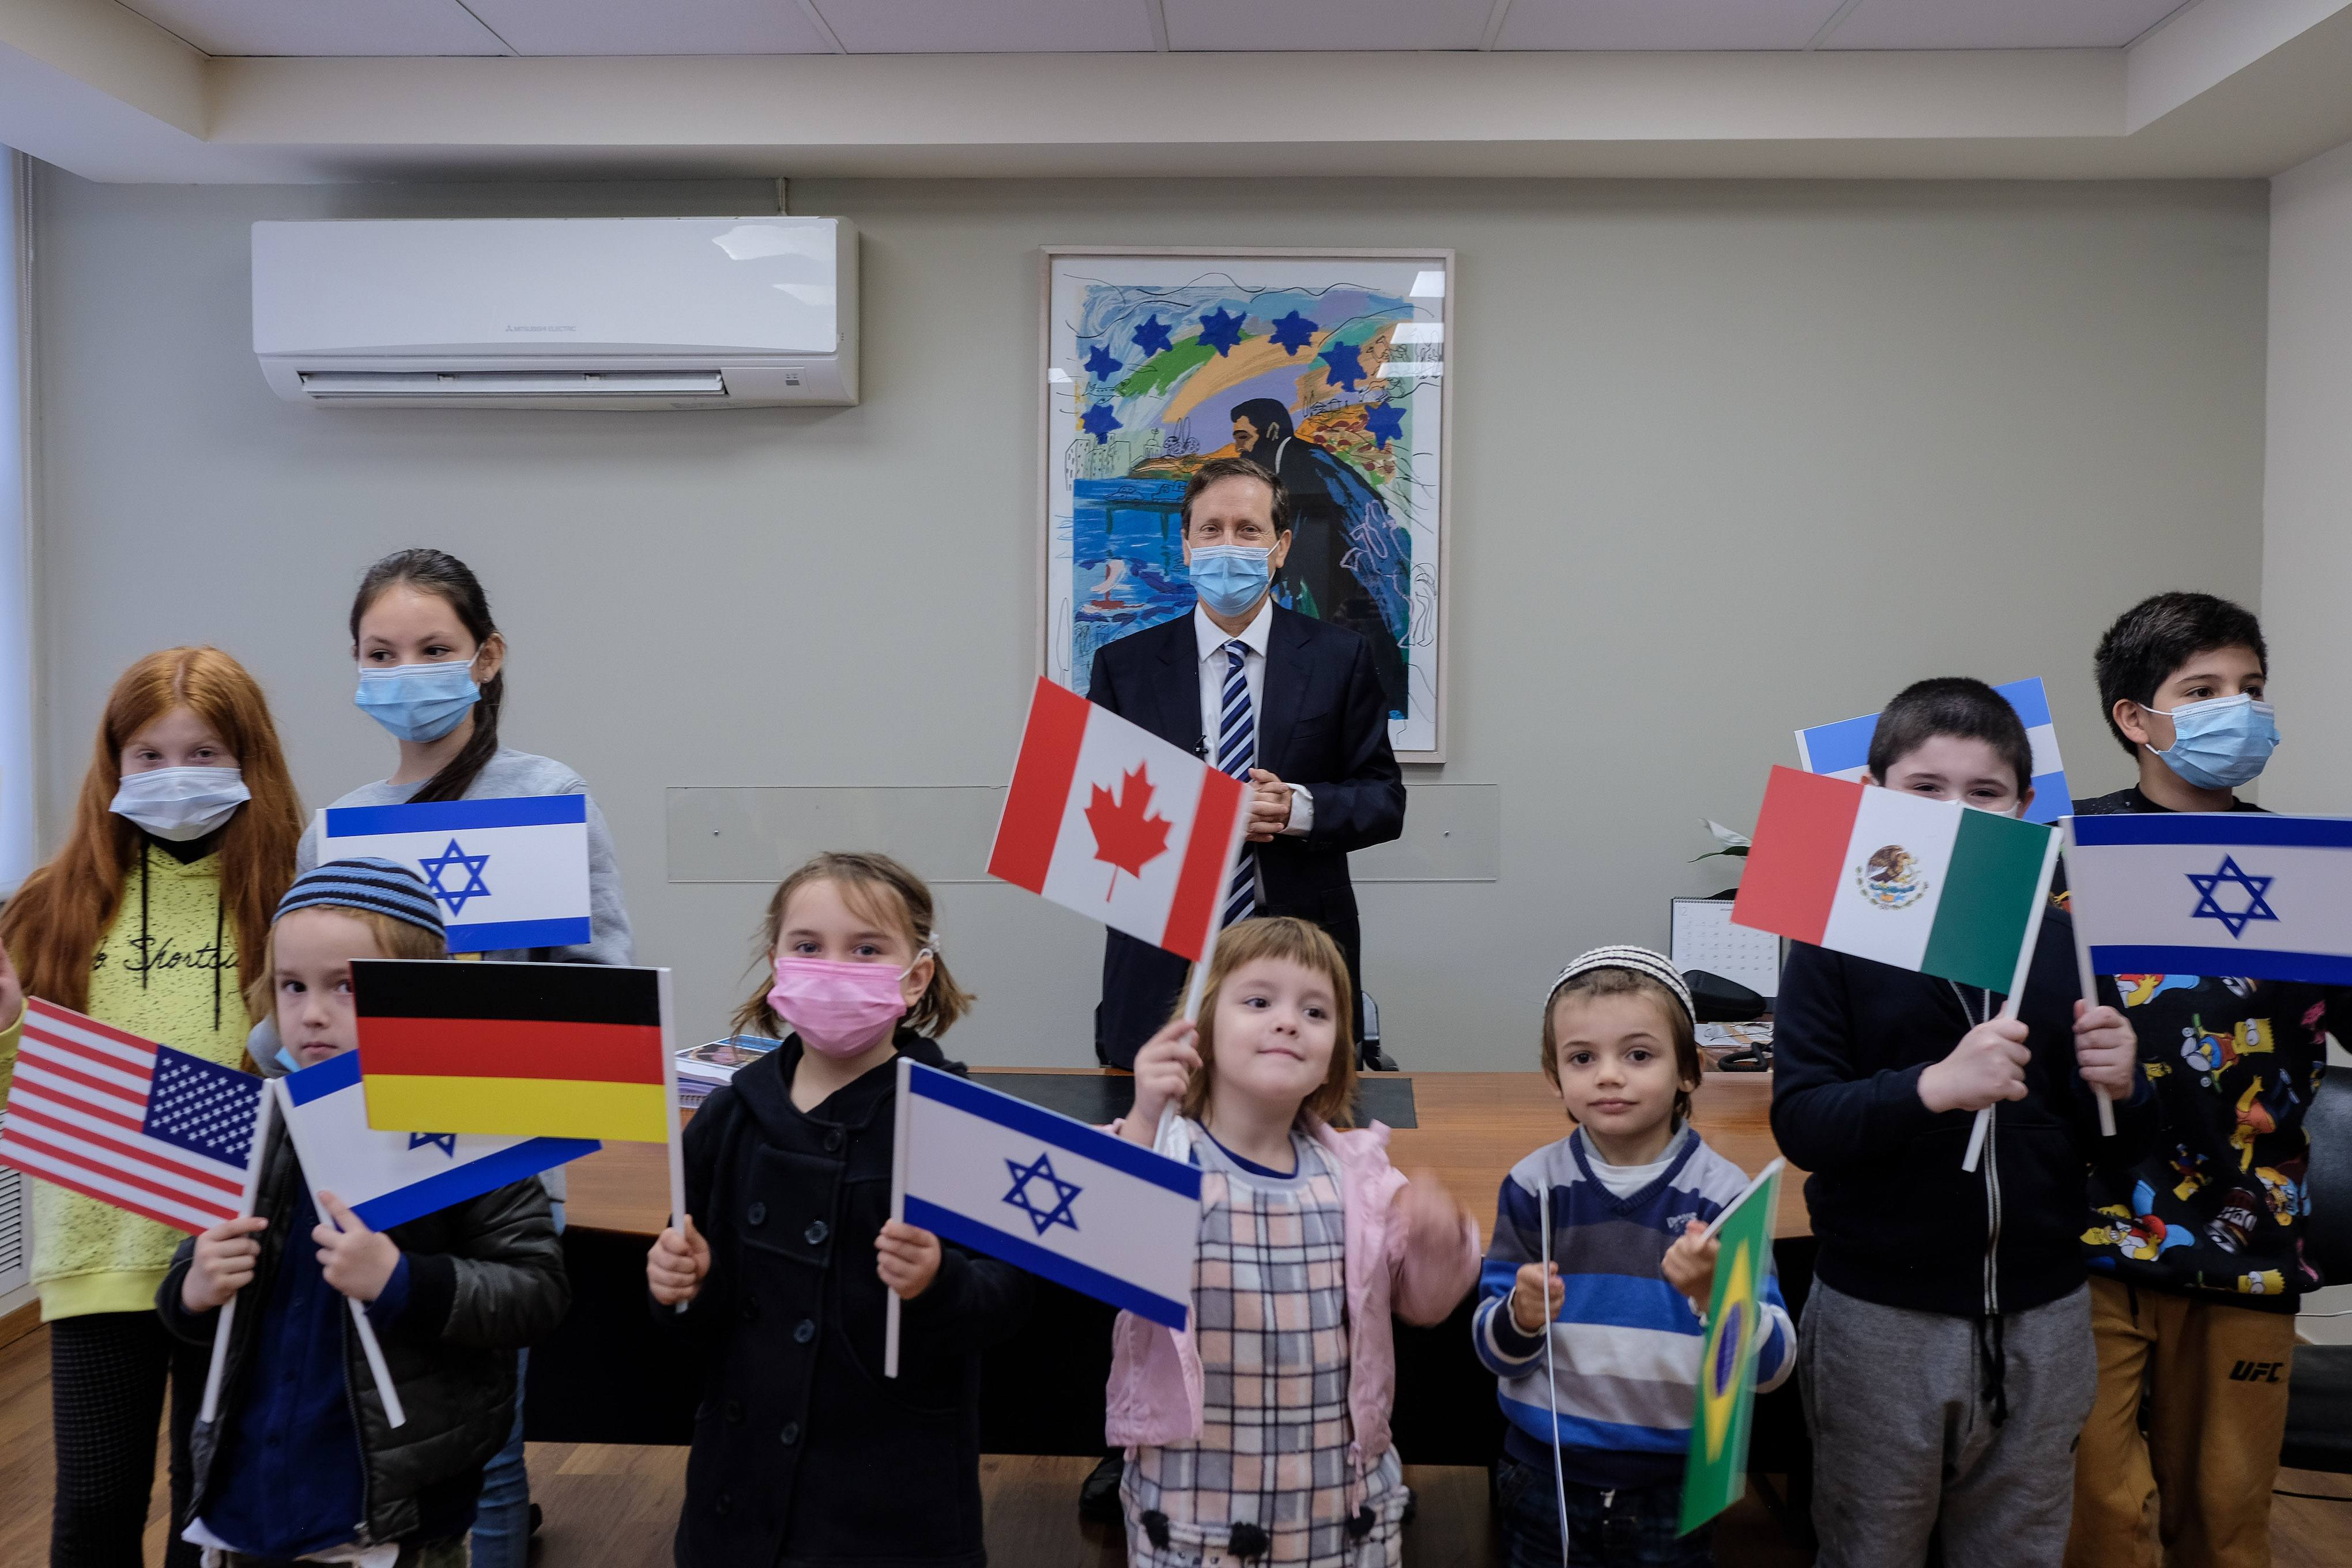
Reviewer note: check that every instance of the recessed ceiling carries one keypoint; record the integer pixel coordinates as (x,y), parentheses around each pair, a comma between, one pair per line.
(351,28)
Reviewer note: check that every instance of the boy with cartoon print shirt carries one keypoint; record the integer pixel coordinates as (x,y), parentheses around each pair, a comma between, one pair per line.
(2196,1252)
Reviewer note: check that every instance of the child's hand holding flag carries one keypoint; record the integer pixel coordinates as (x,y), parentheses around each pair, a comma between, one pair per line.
(2107,1049)
(676,1265)
(357,1261)
(223,1264)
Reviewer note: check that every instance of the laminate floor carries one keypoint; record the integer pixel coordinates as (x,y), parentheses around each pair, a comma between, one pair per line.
(610,1507)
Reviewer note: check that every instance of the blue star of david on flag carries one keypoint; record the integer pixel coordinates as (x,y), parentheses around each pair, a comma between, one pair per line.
(445,1142)
(1056,1211)
(2208,908)
(439,870)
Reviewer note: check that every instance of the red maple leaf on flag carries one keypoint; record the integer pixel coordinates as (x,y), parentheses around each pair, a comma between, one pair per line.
(1128,834)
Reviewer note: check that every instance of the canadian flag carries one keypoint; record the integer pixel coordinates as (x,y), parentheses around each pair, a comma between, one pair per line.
(1110,820)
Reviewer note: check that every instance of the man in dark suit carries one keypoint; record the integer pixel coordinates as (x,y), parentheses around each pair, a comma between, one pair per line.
(1292,704)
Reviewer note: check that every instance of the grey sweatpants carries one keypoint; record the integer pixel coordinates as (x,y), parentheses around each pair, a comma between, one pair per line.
(1904,1439)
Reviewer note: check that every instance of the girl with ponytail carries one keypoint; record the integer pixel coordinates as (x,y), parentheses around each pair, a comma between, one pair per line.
(431,672)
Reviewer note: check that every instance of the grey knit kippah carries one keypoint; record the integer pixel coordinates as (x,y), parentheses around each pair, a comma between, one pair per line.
(1657,966)
(380,886)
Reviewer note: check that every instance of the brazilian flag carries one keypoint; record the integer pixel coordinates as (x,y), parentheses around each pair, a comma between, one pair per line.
(1718,1470)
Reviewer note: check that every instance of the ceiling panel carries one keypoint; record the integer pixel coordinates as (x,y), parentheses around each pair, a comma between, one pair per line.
(1998,24)
(1664,23)
(1325,24)
(323,27)
(669,27)
(989,27)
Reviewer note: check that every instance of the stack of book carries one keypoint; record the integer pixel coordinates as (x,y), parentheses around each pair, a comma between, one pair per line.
(710,1065)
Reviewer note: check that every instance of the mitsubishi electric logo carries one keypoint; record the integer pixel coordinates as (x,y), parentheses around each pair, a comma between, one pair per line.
(542,328)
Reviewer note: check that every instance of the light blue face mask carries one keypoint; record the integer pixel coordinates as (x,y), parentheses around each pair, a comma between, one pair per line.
(1230,578)
(418,702)
(2221,743)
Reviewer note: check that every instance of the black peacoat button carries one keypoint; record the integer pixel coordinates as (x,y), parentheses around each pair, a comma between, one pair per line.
(816,1232)
(833,1142)
(789,1435)
(734,1410)
(726,1502)
(804,1331)
(757,1215)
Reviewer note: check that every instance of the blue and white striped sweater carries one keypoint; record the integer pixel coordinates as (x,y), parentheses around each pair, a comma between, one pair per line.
(1625,1344)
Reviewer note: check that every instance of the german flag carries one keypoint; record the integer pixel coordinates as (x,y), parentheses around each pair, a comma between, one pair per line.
(527,1050)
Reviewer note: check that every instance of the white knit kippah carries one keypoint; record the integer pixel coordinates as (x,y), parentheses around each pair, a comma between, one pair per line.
(1657,966)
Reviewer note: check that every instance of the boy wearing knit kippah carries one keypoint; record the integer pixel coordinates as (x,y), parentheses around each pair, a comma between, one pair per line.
(1629,1191)
(302,1460)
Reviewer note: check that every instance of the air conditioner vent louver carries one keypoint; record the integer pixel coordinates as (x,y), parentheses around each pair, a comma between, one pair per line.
(457,385)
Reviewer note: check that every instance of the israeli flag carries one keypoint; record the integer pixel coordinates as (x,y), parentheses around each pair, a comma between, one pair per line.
(391,1178)
(508,873)
(1842,749)
(2243,894)
(1047,1193)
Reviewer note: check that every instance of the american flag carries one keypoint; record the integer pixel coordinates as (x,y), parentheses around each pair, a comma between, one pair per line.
(128,1122)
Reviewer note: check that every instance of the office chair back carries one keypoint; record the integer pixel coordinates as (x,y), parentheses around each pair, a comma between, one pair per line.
(2328,1232)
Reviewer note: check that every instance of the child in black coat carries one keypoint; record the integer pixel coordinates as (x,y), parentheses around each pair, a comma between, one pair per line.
(803,1452)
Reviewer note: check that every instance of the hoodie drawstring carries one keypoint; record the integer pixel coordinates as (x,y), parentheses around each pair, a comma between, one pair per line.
(145,950)
(1995,1390)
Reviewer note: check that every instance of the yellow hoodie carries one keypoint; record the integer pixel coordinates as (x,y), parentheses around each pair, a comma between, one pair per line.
(166,971)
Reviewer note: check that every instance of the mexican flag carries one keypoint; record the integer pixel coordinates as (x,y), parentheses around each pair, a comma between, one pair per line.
(1736,1326)
(1925,885)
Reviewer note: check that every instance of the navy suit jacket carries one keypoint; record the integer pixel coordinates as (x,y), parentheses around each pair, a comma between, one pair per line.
(1323,724)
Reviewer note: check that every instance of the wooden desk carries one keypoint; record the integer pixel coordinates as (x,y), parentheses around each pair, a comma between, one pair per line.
(606,1378)
(1474,1126)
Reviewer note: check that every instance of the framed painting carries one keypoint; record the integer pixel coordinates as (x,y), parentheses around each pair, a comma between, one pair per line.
(1330,367)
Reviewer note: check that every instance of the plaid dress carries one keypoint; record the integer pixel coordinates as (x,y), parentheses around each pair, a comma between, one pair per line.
(1270,1320)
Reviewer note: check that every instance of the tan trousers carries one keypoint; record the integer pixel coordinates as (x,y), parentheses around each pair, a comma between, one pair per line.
(2194,1492)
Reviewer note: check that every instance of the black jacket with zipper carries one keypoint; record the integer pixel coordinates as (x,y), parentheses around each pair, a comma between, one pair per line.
(1899,1222)
(486,1279)
(804,1455)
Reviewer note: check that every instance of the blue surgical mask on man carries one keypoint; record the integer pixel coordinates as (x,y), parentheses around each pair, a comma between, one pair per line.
(2221,743)
(1230,578)
(419,701)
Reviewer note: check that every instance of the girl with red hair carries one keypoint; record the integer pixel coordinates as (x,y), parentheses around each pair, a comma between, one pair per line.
(183,843)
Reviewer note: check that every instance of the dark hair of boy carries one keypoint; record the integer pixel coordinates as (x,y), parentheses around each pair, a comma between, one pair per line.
(2156,638)
(1950,705)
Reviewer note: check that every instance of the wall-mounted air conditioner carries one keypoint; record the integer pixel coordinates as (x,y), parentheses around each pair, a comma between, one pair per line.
(700,312)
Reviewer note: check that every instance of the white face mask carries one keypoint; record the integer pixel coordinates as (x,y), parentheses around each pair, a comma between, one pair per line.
(181,803)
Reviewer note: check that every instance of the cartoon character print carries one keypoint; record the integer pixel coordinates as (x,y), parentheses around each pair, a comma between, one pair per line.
(2140,1236)
(2267,1283)
(2282,1187)
(2189,1164)
(2140,989)
(2210,1054)
(2259,1112)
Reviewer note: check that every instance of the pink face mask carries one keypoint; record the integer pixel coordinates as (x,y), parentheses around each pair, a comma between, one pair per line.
(839,1009)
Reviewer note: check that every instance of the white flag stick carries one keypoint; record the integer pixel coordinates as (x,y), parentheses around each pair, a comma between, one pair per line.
(1762,1176)
(369,1348)
(2016,986)
(1234,850)
(376,1369)
(263,1115)
(677,1214)
(1551,1377)
(2089,980)
(906,1116)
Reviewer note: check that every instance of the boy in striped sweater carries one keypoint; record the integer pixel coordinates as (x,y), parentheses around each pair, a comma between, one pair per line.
(1630,1190)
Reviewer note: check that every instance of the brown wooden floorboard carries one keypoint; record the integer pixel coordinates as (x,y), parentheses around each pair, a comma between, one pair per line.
(615,1507)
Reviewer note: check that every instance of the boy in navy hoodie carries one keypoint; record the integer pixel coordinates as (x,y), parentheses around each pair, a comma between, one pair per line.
(1944,1356)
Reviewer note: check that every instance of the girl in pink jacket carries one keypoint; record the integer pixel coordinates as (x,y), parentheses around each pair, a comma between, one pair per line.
(1261,1436)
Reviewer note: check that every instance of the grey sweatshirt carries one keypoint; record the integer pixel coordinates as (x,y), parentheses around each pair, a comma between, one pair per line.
(507,774)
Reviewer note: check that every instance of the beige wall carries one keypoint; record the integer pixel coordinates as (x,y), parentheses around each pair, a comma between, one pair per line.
(1727,460)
